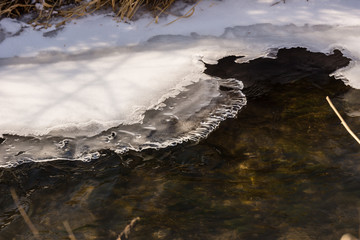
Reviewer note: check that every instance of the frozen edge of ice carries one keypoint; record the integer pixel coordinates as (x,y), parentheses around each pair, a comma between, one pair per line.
(220,113)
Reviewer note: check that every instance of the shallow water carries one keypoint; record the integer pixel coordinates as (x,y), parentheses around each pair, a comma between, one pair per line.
(283,169)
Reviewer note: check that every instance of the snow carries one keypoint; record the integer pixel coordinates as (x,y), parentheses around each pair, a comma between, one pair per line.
(94,90)
(95,72)
(10,26)
(210,18)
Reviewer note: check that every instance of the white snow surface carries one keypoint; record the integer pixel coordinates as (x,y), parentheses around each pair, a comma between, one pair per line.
(94,93)
(95,72)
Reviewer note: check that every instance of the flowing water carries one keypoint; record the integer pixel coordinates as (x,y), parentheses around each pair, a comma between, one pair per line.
(283,169)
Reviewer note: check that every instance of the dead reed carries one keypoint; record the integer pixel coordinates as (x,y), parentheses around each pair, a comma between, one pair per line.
(69,231)
(124,235)
(24,215)
(342,120)
(45,10)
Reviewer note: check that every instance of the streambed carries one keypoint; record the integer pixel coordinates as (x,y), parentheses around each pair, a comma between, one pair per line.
(283,169)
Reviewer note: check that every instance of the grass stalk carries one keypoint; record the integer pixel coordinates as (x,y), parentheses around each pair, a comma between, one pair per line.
(26,218)
(124,235)
(342,120)
(69,231)
(46,10)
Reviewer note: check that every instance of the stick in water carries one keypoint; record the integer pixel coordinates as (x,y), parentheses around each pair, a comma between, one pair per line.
(342,120)
(69,231)
(124,235)
(24,215)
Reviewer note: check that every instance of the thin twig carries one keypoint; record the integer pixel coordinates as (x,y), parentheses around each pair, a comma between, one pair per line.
(342,120)
(33,229)
(124,235)
(186,15)
(69,231)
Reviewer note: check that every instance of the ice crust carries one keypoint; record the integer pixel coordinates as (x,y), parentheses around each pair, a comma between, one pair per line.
(189,116)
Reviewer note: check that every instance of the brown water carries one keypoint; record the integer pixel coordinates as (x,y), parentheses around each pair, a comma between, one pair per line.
(283,169)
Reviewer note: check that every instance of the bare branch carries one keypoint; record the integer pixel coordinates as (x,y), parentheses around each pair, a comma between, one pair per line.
(342,120)
(69,231)
(124,235)
(27,220)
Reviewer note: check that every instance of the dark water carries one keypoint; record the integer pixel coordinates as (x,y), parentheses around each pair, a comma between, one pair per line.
(283,169)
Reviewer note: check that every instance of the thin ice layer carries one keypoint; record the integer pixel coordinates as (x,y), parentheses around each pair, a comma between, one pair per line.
(190,115)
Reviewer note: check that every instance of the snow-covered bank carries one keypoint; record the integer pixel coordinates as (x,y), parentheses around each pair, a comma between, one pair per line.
(96,73)
(211,17)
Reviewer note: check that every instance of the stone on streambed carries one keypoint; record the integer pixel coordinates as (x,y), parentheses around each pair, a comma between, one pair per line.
(348,236)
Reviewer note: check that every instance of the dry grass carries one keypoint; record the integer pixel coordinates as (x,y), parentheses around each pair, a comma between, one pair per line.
(124,235)
(342,120)
(45,10)
(69,231)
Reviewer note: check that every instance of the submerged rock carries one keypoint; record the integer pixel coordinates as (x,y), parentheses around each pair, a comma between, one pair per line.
(262,74)
(348,236)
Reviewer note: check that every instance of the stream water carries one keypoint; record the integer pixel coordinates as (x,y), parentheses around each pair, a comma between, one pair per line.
(285,168)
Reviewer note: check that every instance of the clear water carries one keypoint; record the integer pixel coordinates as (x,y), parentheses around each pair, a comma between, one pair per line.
(283,169)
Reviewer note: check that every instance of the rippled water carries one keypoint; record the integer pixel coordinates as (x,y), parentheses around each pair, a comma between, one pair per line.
(283,169)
